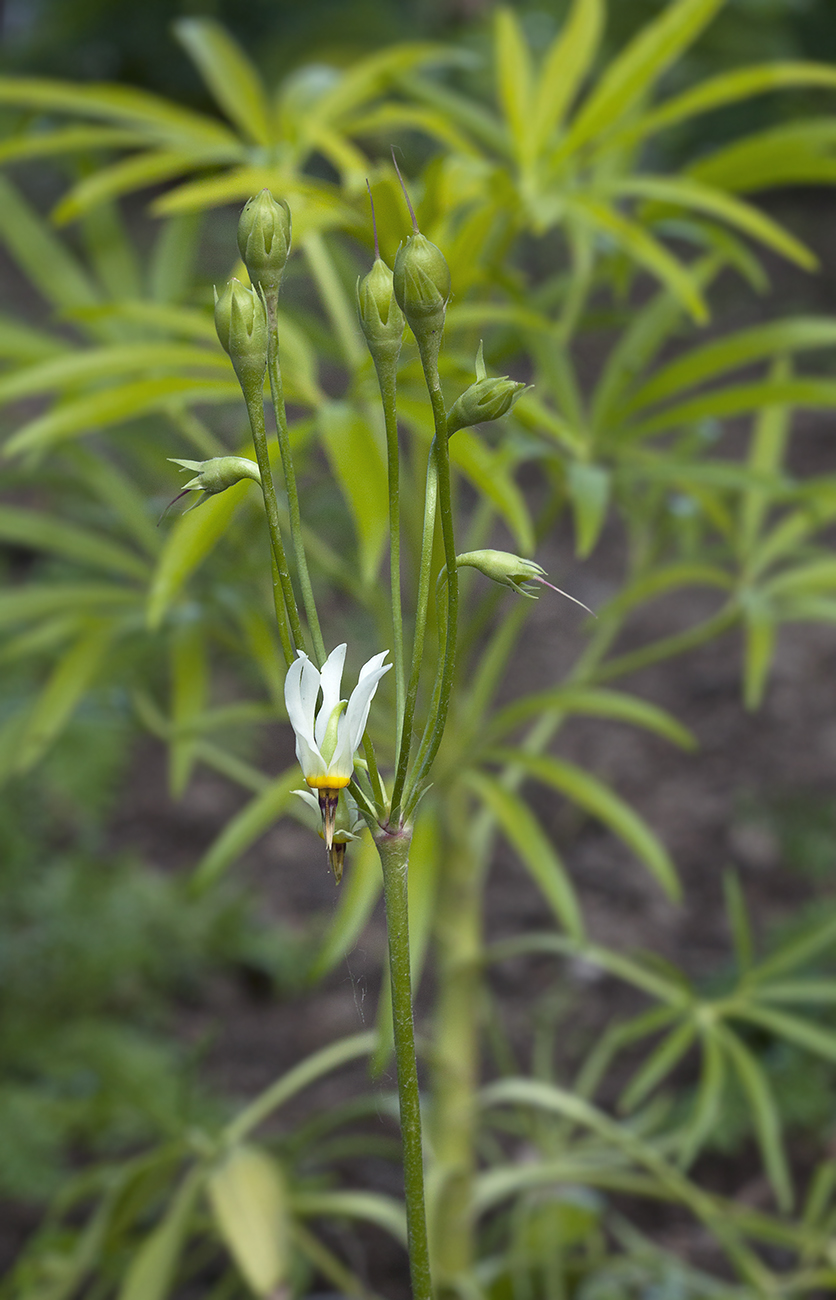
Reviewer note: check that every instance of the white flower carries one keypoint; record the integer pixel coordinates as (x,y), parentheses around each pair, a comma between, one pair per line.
(327,739)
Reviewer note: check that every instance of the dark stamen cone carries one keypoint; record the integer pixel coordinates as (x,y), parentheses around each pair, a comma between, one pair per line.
(336,857)
(328,800)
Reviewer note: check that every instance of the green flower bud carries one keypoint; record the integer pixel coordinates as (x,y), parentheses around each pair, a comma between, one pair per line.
(264,232)
(422,285)
(381,319)
(215,475)
(241,323)
(512,571)
(487,399)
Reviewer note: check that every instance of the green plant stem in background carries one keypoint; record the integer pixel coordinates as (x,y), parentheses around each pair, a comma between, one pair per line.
(255,411)
(387,379)
(421,607)
(441,454)
(393,848)
(277,394)
(341,313)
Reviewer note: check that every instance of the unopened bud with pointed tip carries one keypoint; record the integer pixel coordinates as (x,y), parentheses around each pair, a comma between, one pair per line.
(381,319)
(512,571)
(241,323)
(487,399)
(264,234)
(422,286)
(214,476)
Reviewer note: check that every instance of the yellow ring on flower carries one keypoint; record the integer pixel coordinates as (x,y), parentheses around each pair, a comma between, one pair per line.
(328,782)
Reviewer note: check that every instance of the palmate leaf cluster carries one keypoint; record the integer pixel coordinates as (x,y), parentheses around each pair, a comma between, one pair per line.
(125,371)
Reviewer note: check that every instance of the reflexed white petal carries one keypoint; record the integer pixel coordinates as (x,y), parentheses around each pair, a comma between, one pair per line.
(301,686)
(357,712)
(330,678)
(310,799)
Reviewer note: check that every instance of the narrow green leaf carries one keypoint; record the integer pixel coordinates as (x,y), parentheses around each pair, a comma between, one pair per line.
(263,646)
(75,671)
(113,405)
(157,317)
(632,74)
(41,532)
(615,705)
(160,117)
(21,343)
(601,802)
(537,854)
(360,470)
(759,643)
(44,637)
(52,269)
(63,140)
(295,1081)
(249,1201)
(36,600)
(644,249)
(229,75)
(797,952)
(670,577)
(193,537)
(172,264)
(814,992)
(729,88)
(795,334)
(695,197)
(514,79)
(639,344)
(189,687)
(111,252)
(661,1061)
(790,1028)
(795,153)
(151,1272)
(765,1115)
(820,1195)
(368,77)
(137,172)
(815,394)
(94,364)
(589,488)
(767,447)
(487,471)
(253,821)
(373,1207)
(817,576)
(119,493)
(567,63)
(707,1106)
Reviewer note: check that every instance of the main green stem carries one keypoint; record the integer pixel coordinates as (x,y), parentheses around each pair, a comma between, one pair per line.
(456,1050)
(393,848)
(255,411)
(294,513)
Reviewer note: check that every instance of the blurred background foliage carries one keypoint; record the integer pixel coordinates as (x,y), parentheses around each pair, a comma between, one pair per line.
(103,951)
